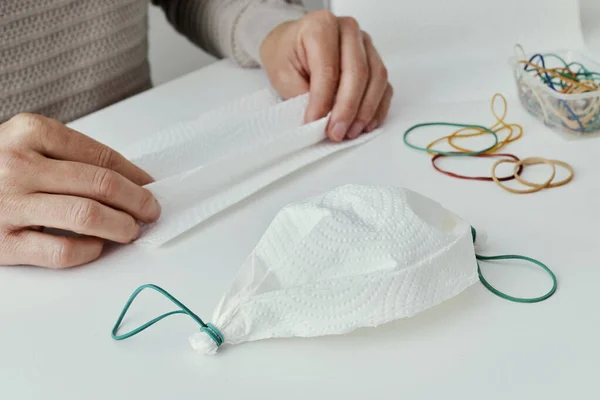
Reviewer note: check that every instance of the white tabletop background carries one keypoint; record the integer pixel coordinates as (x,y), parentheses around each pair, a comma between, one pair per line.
(55,325)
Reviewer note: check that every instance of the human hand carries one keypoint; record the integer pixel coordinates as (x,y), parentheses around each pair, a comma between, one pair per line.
(53,176)
(336,62)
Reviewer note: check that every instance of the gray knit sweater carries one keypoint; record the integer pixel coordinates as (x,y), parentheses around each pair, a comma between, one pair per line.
(67,58)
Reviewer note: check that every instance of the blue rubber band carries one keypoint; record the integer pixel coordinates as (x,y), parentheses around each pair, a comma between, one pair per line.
(549,82)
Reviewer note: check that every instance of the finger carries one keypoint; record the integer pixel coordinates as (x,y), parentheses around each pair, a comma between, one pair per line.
(383,109)
(101,184)
(374,93)
(29,247)
(322,54)
(57,141)
(290,83)
(353,80)
(76,214)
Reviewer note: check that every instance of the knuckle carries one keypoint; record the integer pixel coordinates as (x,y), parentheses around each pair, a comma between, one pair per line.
(12,207)
(363,69)
(346,112)
(63,253)
(8,247)
(106,157)
(330,73)
(367,112)
(381,72)
(12,161)
(367,38)
(360,69)
(319,24)
(315,33)
(27,121)
(17,169)
(106,183)
(350,23)
(24,125)
(85,214)
(325,17)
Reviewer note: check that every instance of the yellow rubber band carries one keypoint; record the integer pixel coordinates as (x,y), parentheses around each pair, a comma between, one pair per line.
(530,161)
(498,127)
(526,161)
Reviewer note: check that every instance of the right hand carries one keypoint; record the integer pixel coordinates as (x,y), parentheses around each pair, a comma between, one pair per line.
(52,176)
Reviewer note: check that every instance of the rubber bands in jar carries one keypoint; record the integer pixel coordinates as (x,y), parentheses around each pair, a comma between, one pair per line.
(560,89)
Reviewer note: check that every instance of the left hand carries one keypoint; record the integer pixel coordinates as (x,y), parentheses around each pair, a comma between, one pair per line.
(336,62)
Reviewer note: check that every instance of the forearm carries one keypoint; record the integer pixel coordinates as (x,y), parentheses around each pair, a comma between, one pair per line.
(230,28)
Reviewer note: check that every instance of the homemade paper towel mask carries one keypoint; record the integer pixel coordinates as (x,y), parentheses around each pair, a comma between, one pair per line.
(207,165)
(357,256)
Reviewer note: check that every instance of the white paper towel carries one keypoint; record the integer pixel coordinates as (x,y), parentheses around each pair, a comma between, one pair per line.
(356,256)
(204,166)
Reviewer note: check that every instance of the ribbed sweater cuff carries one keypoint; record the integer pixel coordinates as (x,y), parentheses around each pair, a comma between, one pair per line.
(253,26)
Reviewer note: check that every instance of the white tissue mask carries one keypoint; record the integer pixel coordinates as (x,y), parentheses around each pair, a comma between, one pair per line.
(207,165)
(353,257)
(357,256)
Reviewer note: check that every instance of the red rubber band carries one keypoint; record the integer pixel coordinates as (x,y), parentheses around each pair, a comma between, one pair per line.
(477,178)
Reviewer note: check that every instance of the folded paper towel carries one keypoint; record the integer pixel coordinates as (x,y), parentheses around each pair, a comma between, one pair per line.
(204,166)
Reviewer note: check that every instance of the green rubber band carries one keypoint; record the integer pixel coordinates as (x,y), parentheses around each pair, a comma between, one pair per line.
(214,333)
(503,295)
(580,65)
(582,69)
(218,338)
(562,60)
(450,153)
(209,328)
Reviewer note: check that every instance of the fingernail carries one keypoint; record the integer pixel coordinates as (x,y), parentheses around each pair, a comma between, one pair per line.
(138,233)
(156,209)
(339,131)
(355,130)
(372,126)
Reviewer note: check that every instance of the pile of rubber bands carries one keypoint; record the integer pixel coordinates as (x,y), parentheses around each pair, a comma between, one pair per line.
(573,103)
(514,132)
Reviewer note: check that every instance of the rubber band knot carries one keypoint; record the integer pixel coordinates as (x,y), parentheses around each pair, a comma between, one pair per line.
(209,328)
(213,333)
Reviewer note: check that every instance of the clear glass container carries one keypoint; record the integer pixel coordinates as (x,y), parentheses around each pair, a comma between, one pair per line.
(573,116)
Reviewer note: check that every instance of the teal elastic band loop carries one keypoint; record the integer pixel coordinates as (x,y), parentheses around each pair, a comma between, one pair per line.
(503,295)
(450,153)
(209,328)
(218,338)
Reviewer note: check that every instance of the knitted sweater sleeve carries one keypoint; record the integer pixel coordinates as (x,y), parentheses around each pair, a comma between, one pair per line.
(230,28)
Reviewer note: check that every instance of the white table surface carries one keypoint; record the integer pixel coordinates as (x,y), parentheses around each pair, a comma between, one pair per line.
(55,325)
